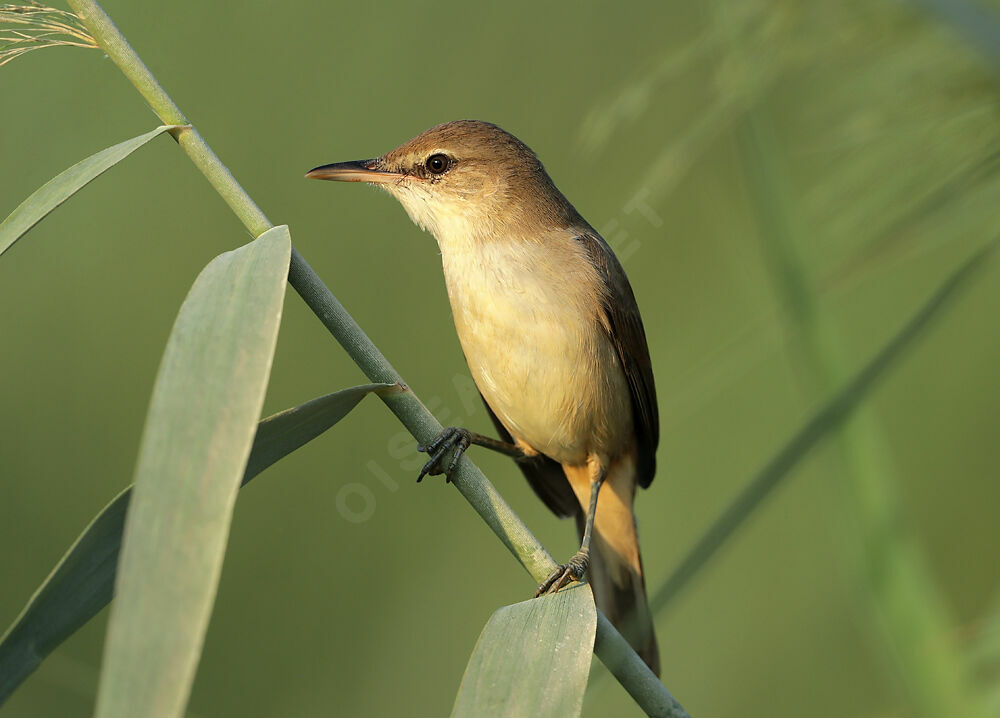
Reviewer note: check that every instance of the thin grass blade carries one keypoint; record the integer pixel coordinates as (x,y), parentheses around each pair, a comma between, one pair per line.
(67,183)
(532,659)
(825,422)
(904,602)
(82,583)
(196,443)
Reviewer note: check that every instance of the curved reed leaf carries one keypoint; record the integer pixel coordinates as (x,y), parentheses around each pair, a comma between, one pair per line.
(77,589)
(82,583)
(532,659)
(65,184)
(280,434)
(195,447)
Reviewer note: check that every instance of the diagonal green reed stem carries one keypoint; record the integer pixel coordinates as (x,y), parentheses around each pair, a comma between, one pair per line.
(651,695)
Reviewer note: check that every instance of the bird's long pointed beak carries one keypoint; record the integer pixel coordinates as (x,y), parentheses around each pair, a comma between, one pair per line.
(359,171)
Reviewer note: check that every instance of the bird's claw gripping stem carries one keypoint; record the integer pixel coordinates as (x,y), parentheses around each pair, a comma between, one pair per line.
(574,570)
(453,437)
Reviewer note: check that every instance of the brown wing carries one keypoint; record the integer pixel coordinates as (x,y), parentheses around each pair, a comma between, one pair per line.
(544,475)
(624,327)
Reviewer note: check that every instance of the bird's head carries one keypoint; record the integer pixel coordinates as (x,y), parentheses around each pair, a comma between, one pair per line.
(463,180)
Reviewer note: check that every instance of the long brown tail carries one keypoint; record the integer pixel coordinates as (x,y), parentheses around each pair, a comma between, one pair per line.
(615,572)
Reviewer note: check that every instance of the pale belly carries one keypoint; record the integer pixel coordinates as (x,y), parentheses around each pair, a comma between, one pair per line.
(539,355)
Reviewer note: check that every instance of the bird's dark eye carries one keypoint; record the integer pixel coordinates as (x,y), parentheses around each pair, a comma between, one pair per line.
(437,164)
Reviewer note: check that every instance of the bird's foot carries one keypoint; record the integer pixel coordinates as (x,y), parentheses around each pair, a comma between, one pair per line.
(453,437)
(572,571)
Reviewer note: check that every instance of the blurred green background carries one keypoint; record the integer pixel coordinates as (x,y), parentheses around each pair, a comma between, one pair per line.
(690,134)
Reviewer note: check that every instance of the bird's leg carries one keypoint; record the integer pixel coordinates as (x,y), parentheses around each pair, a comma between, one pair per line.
(459,439)
(576,567)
